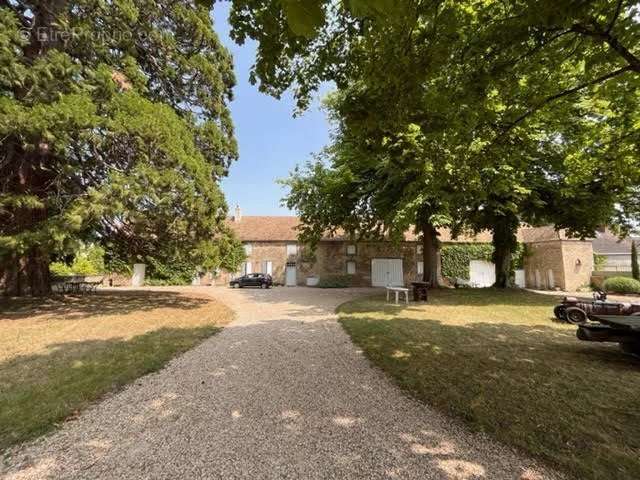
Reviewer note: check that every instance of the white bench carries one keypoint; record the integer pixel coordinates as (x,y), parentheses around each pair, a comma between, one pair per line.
(397,291)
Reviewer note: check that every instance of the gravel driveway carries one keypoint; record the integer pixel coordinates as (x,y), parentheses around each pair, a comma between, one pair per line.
(280,393)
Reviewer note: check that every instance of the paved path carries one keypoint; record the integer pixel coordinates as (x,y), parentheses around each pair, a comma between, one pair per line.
(281,393)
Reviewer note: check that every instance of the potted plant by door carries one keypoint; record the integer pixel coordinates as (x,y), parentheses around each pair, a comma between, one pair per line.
(313,280)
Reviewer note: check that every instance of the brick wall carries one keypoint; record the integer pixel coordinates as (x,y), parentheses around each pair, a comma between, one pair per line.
(563,264)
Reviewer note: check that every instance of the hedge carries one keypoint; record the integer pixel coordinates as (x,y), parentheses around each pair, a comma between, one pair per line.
(336,281)
(456,258)
(622,285)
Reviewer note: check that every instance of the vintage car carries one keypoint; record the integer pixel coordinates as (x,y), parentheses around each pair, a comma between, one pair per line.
(624,330)
(578,311)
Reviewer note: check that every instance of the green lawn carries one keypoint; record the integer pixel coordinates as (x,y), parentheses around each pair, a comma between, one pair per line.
(498,361)
(58,355)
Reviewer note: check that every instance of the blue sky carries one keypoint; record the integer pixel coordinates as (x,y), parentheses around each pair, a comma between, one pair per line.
(271,142)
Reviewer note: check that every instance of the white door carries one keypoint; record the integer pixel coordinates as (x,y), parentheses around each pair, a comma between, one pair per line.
(481,273)
(290,280)
(386,272)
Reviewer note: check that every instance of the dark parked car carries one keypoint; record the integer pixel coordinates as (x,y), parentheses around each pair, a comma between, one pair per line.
(261,280)
(579,311)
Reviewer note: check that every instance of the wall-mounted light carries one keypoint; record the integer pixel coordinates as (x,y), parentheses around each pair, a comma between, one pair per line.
(578,262)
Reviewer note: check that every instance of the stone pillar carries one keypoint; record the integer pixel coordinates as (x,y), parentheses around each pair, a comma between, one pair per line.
(139,271)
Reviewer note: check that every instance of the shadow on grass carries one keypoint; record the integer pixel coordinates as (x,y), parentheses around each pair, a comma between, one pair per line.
(100,303)
(537,387)
(39,391)
(489,296)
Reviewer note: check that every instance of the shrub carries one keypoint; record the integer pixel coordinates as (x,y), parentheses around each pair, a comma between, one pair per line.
(599,261)
(336,281)
(622,285)
(60,269)
(88,260)
(635,267)
(174,271)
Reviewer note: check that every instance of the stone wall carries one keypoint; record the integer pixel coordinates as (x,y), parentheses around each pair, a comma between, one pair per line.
(561,264)
(578,264)
(330,259)
(116,280)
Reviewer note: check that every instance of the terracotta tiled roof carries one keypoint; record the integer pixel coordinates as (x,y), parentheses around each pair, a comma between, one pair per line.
(265,228)
(283,228)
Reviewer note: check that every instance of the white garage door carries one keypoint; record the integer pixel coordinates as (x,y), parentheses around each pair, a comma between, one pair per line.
(482,274)
(386,271)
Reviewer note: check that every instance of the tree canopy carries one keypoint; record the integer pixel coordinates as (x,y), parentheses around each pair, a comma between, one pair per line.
(114,127)
(522,111)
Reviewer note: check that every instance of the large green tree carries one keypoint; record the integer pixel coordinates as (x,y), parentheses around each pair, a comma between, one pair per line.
(114,126)
(530,105)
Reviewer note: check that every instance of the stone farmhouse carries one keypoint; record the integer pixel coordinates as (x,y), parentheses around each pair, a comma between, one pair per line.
(552,260)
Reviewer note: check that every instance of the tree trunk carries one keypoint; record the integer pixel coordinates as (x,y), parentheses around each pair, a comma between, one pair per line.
(28,173)
(27,274)
(25,270)
(430,254)
(505,241)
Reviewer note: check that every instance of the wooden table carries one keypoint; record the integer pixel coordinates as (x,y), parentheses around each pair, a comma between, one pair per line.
(398,291)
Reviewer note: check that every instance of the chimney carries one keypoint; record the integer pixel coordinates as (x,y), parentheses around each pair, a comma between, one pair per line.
(238,216)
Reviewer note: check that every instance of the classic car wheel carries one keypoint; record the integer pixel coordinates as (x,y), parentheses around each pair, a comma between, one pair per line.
(576,315)
(560,312)
(236,285)
(263,286)
(631,347)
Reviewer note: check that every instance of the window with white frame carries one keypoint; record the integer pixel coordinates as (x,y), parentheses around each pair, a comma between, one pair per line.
(420,268)
(351,267)
(292,249)
(419,249)
(351,249)
(248,249)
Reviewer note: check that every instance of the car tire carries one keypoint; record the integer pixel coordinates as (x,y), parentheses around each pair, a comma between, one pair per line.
(576,315)
(236,285)
(560,312)
(263,286)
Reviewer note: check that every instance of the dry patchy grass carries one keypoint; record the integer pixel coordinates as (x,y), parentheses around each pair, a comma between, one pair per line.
(500,362)
(59,354)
